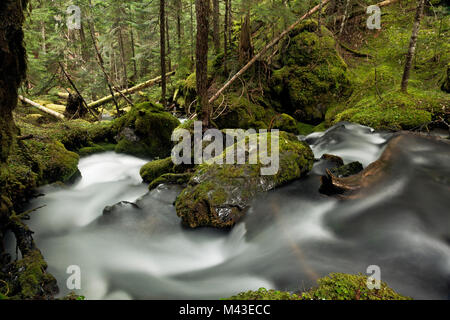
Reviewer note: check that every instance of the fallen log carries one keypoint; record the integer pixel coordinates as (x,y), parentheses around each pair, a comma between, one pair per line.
(63,95)
(42,108)
(138,87)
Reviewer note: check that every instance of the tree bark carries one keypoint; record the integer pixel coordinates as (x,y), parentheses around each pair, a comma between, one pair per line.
(42,108)
(225,38)
(412,45)
(245,43)
(202,11)
(162,43)
(13,66)
(216,28)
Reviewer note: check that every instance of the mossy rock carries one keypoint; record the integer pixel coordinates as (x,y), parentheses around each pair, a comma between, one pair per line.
(171,178)
(313,76)
(33,163)
(73,134)
(340,286)
(33,280)
(145,131)
(218,195)
(244,114)
(396,110)
(264,294)
(285,122)
(336,286)
(156,168)
(96,148)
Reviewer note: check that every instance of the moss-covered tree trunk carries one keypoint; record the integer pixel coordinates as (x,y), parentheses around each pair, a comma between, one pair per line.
(13,66)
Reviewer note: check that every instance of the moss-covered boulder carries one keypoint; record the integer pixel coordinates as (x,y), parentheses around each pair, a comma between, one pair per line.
(156,168)
(285,122)
(395,111)
(34,163)
(313,75)
(218,195)
(241,113)
(145,131)
(341,286)
(336,286)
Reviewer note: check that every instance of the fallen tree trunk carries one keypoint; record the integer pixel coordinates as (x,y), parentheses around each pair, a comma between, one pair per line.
(63,95)
(138,87)
(42,108)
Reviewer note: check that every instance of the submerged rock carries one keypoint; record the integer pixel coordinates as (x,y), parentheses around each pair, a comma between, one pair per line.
(145,131)
(343,171)
(218,195)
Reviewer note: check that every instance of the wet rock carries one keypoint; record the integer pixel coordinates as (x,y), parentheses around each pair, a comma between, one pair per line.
(347,170)
(219,195)
(119,211)
(335,160)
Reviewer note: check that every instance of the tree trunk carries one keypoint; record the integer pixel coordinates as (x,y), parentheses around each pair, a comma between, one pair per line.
(245,43)
(216,28)
(202,11)
(13,66)
(162,34)
(123,59)
(412,45)
(169,62)
(225,38)
(179,5)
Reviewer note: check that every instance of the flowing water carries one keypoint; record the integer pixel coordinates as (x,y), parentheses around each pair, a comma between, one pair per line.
(289,238)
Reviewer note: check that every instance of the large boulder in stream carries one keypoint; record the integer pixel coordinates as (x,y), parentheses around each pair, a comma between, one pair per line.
(218,195)
(145,131)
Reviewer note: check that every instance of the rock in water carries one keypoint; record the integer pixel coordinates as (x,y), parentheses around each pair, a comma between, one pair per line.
(219,195)
(145,131)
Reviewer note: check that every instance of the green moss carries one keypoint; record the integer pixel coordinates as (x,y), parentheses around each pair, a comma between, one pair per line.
(170,178)
(74,134)
(33,280)
(145,131)
(241,113)
(339,286)
(396,110)
(285,122)
(264,294)
(36,162)
(313,76)
(156,168)
(376,100)
(96,148)
(336,286)
(218,195)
